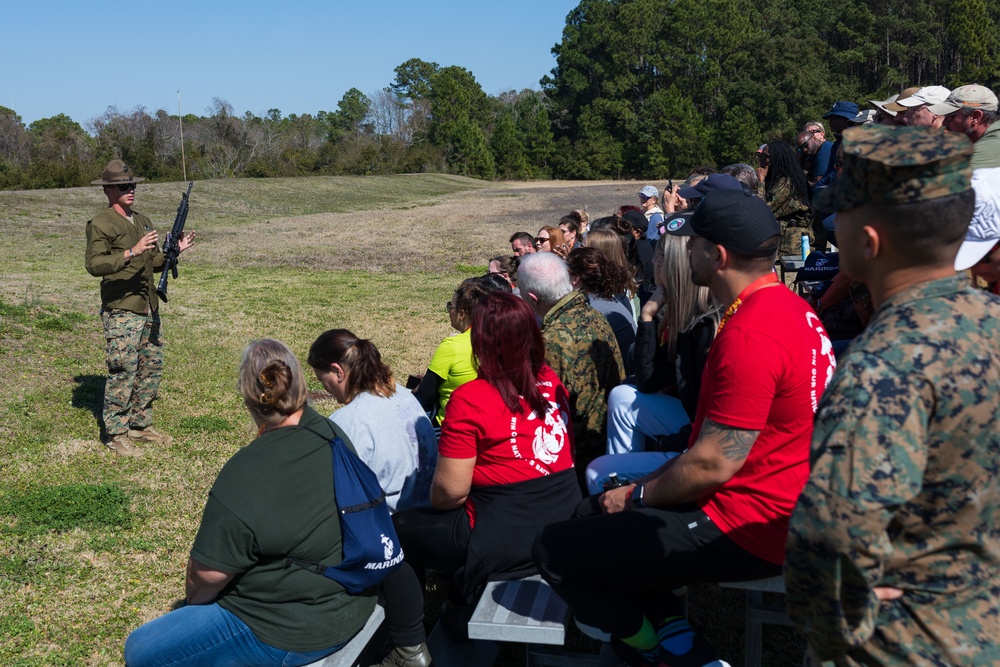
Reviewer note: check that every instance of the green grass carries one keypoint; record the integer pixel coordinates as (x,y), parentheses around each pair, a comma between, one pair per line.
(93,545)
(60,508)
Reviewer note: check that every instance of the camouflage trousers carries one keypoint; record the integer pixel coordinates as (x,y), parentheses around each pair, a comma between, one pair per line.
(134,354)
(791,239)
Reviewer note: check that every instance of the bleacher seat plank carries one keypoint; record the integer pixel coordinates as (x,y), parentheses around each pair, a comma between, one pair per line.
(351,654)
(522,610)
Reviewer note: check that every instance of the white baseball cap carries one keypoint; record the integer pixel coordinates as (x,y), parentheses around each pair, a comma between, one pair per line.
(926,95)
(984,228)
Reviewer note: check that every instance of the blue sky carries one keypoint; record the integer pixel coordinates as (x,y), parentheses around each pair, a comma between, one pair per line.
(79,58)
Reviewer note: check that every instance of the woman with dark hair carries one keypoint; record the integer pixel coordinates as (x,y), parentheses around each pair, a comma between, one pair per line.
(570,227)
(504,266)
(787,194)
(272,500)
(551,239)
(505,471)
(606,284)
(390,431)
(452,365)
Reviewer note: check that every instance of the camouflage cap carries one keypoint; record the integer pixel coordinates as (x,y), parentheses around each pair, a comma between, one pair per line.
(898,165)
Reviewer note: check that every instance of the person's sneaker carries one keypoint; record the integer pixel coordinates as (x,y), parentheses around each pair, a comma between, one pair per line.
(679,647)
(149,434)
(120,444)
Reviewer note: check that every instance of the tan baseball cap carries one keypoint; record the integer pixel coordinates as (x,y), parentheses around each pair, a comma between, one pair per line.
(966,97)
(895,105)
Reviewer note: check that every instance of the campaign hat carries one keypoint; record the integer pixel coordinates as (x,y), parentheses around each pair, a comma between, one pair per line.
(897,165)
(117,173)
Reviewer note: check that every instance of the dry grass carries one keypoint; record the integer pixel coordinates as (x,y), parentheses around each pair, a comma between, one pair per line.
(284,258)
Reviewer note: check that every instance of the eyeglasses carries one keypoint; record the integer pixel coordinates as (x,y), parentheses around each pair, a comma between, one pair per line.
(803,146)
(450,306)
(541,240)
(763,158)
(815,131)
(125,187)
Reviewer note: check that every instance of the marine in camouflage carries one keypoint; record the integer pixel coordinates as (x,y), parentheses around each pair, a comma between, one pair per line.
(897,165)
(904,489)
(793,216)
(134,355)
(581,348)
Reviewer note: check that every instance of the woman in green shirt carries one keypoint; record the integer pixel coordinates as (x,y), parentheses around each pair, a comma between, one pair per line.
(273,499)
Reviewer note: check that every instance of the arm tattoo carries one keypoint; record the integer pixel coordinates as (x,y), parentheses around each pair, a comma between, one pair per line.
(735,442)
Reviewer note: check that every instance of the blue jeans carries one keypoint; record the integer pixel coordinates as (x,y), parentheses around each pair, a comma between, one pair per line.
(205,635)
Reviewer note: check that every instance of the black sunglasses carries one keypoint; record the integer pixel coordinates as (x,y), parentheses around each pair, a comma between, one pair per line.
(125,187)
(803,146)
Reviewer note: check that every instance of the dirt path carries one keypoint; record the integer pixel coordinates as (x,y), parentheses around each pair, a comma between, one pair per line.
(466,228)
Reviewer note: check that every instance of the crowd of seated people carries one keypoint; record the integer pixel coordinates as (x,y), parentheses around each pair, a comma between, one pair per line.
(641,383)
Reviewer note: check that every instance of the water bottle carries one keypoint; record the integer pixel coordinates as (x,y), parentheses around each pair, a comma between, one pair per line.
(613,482)
(805,247)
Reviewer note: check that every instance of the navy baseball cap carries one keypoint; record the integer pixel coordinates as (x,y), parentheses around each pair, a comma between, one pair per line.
(710,184)
(846,109)
(679,224)
(737,220)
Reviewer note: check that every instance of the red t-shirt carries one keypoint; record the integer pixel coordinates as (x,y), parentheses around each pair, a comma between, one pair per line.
(508,447)
(765,371)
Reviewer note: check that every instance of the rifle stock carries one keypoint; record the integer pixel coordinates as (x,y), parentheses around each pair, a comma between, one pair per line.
(171,246)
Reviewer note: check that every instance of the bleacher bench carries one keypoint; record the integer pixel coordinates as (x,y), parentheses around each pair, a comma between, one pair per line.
(758,613)
(354,654)
(529,612)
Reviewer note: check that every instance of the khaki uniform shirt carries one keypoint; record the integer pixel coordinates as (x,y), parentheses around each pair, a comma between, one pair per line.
(581,348)
(124,285)
(904,489)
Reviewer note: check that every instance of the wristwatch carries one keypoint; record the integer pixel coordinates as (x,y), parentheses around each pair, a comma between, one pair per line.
(637,494)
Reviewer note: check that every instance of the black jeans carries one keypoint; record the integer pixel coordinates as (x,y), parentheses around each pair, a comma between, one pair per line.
(613,569)
(432,539)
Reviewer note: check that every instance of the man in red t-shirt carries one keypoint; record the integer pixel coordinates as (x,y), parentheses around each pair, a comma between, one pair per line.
(720,510)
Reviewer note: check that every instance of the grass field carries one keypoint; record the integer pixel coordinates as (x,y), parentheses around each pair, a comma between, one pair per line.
(92,545)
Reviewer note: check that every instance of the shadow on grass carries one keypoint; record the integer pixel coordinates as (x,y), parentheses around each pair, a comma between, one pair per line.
(89,393)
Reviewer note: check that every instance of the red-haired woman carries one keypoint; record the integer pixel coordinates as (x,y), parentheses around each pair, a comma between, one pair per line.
(505,470)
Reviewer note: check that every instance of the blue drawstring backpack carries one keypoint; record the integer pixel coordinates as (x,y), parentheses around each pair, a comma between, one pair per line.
(370,546)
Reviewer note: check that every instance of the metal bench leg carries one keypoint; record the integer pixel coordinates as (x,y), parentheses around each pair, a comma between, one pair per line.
(754,641)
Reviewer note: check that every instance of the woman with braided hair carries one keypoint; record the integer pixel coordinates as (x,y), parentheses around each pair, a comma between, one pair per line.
(787,194)
(272,500)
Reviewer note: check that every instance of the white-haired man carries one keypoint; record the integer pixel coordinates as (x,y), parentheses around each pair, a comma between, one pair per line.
(580,347)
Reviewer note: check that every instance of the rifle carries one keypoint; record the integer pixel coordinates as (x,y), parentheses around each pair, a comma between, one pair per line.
(171,246)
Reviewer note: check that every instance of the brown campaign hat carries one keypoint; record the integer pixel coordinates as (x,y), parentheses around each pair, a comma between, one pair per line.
(115,173)
(905,94)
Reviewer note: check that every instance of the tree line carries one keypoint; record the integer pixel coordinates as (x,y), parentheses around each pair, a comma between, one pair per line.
(641,88)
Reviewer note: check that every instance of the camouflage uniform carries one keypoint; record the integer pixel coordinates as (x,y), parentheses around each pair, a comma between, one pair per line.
(904,489)
(133,345)
(793,215)
(581,348)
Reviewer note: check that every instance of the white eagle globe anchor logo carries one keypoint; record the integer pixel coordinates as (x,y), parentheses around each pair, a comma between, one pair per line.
(550,437)
(387,546)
